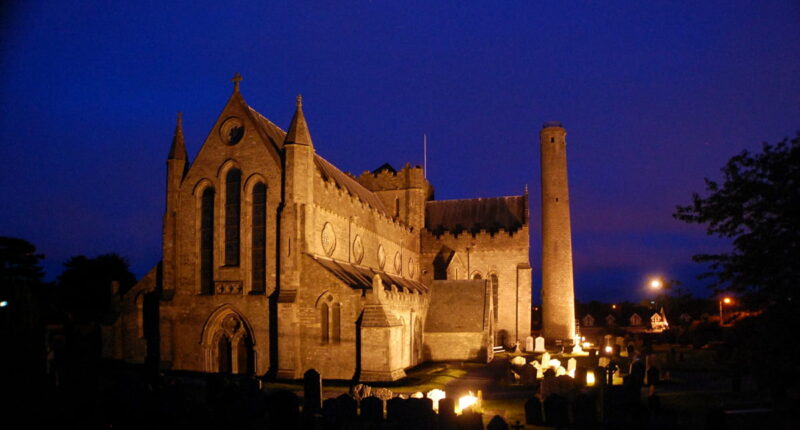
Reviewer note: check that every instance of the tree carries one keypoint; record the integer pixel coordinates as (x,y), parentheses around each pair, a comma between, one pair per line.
(85,285)
(757,207)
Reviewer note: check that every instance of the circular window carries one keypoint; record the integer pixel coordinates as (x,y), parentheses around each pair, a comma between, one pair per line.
(328,239)
(231,131)
(398,263)
(381,256)
(358,250)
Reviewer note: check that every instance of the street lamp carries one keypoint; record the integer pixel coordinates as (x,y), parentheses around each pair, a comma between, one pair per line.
(656,283)
(724,301)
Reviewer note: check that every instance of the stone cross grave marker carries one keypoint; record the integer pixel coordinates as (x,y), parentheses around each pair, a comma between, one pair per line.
(312,392)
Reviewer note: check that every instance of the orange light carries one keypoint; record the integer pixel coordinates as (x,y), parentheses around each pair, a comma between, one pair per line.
(613,306)
(727,300)
(656,284)
(590,379)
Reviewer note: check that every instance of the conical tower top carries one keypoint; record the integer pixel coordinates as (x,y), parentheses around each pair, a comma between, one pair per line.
(178,149)
(298,130)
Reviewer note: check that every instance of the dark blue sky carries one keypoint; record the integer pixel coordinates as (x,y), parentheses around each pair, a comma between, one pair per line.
(654,95)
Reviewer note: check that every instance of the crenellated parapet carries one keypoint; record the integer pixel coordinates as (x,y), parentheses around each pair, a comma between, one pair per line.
(389,179)
(499,240)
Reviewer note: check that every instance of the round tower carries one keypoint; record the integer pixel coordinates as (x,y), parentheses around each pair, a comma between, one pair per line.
(558,297)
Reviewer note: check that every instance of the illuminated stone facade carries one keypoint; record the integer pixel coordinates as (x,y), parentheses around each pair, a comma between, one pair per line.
(275,261)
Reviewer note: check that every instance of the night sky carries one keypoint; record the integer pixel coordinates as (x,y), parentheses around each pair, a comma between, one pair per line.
(654,95)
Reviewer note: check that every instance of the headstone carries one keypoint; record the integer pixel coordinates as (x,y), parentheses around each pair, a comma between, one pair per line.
(529,344)
(518,361)
(346,408)
(616,350)
(284,409)
(630,348)
(372,409)
(556,411)
(497,423)
(417,395)
(361,391)
(529,375)
(593,358)
(584,412)
(620,341)
(396,409)
(546,359)
(418,412)
(604,361)
(580,376)
(607,340)
(470,420)
(383,393)
(653,374)
(447,413)
(312,392)
(533,412)
(539,345)
(571,364)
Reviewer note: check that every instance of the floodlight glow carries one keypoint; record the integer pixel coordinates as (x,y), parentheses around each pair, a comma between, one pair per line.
(465,402)
(727,300)
(656,284)
(3,304)
(609,349)
(590,379)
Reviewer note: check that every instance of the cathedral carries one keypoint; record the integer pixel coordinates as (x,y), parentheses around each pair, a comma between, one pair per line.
(275,262)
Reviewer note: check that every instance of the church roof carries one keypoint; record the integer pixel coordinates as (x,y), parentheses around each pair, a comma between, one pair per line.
(471,300)
(268,127)
(343,180)
(491,214)
(360,277)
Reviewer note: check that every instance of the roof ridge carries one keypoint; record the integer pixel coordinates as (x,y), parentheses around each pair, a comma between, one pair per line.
(475,198)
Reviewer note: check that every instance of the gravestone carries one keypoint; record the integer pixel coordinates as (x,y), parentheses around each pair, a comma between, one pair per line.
(418,412)
(346,408)
(653,376)
(580,376)
(470,420)
(546,359)
(497,423)
(539,345)
(533,412)
(607,340)
(584,411)
(571,364)
(529,344)
(529,374)
(447,414)
(396,409)
(616,350)
(372,409)
(592,357)
(620,341)
(518,361)
(556,411)
(604,361)
(630,348)
(284,409)
(312,392)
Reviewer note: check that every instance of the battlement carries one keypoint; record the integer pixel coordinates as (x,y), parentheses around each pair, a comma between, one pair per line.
(386,178)
(498,239)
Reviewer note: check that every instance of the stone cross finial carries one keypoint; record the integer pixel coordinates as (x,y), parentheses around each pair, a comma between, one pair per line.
(236,79)
(299,100)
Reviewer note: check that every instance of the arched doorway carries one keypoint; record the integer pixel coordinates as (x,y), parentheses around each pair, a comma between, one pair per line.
(228,343)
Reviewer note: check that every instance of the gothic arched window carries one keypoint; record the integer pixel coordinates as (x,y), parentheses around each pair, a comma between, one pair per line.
(336,323)
(259,240)
(233,182)
(207,242)
(495,293)
(224,351)
(323,315)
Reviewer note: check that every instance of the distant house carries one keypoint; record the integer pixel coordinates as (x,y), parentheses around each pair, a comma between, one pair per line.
(635,320)
(588,321)
(610,320)
(659,321)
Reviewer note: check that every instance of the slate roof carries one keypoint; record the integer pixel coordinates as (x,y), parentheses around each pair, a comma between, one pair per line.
(343,180)
(360,277)
(472,215)
(458,306)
